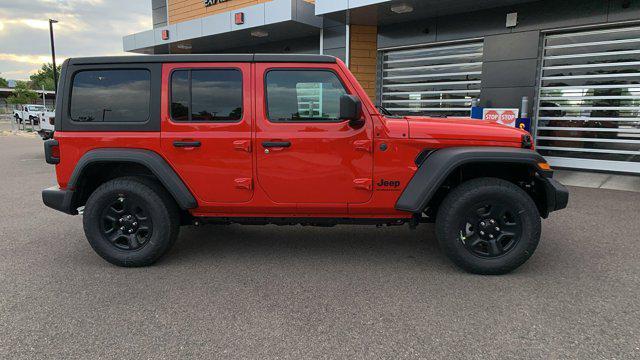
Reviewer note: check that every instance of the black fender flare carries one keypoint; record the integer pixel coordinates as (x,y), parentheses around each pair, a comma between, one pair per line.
(147,158)
(439,164)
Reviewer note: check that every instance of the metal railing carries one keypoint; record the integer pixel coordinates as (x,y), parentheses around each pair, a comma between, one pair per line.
(588,110)
(434,79)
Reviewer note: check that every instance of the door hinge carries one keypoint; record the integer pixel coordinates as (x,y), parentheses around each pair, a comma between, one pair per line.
(242,145)
(363,184)
(362,145)
(244,183)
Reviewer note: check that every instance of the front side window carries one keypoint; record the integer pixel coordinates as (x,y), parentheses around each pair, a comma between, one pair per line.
(111,96)
(303,95)
(206,95)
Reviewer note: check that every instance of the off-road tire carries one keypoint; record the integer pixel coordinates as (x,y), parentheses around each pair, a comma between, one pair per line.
(160,208)
(453,212)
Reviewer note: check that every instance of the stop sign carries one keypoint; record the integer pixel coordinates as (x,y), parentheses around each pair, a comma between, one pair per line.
(508,117)
(501,116)
(492,115)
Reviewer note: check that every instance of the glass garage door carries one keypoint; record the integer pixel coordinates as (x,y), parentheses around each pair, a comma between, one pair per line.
(434,80)
(589,100)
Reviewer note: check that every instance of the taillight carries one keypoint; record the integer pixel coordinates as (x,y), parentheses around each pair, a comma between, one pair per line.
(52,151)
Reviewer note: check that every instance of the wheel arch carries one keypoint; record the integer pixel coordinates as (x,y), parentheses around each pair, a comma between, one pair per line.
(100,165)
(441,170)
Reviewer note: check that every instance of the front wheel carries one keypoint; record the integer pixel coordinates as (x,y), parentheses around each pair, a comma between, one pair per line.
(488,226)
(131,221)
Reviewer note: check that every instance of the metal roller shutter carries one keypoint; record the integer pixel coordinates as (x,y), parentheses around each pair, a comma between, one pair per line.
(589,100)
(433,80)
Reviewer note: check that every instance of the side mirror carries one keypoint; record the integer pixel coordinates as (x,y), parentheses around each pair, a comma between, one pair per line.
(351,109)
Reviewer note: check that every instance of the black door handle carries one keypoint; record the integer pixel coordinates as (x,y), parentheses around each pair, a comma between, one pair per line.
(186,144)
(276,144)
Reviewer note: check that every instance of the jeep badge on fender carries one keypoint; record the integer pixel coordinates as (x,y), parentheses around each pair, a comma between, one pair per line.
(388,183)
(144,149)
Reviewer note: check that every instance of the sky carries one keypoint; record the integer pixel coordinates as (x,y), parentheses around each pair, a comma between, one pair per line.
(85,28)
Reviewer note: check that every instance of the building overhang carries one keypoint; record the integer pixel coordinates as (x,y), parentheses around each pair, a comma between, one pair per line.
(381,12)
(277,19)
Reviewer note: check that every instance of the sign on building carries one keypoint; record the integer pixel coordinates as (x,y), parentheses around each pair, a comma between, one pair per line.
(213,2)
(502,116)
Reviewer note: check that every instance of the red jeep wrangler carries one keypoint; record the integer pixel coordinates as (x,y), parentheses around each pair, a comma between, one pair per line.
(145,144)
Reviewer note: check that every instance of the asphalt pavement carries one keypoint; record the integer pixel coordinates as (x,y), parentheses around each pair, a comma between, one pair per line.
(261,292)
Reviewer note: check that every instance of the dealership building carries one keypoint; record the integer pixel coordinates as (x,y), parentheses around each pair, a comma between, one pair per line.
(576,61)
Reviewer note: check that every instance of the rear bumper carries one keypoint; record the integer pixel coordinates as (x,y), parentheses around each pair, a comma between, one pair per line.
(557,194)
(59,199)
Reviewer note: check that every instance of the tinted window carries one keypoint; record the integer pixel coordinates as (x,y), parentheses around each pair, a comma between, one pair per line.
(206,95)
(111,96)
(303,95)
(180,95)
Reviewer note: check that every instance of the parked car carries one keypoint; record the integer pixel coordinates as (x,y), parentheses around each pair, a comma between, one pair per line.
(151,143)
(31,113)
(47,125)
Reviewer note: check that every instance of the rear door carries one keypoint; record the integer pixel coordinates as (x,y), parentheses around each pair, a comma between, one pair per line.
(305,153)
(206,129)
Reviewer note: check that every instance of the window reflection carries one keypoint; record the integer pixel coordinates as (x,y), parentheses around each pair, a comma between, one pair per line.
(111,96)
(303,95)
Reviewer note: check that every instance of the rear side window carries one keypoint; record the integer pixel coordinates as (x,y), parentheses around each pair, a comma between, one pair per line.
(111,96)
(303,96)
(206,95)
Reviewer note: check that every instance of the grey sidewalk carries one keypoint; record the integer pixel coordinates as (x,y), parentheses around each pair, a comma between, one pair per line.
(598,180)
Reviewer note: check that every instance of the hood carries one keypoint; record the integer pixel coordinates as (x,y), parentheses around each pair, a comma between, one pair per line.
(461,129)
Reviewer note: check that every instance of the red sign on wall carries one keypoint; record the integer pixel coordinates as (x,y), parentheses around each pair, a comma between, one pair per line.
(502,116)
(239,18)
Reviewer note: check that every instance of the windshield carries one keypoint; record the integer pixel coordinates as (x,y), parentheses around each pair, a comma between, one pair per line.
(36,108)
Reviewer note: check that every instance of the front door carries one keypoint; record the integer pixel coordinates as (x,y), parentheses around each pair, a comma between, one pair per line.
(305,153)
(206,129)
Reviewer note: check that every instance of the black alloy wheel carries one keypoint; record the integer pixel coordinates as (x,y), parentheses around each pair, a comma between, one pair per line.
(131,221)
(126,223)
(491,230)
(488,226)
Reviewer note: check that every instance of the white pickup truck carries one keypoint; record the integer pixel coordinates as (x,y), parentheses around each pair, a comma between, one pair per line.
(31,113)
(47,121)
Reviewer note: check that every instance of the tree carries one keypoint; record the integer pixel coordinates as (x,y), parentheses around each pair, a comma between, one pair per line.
(22,94)
(44,76)
(3,82)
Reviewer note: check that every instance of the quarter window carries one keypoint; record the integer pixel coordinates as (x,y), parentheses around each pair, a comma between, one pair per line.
(111,96)
(303,95)
(206,95)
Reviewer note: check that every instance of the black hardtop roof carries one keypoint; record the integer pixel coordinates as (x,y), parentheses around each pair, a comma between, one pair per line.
(138,59)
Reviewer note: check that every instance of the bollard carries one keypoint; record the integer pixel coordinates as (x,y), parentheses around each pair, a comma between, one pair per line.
(524,107)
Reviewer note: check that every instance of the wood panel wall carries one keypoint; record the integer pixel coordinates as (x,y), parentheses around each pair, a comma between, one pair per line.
(364,56)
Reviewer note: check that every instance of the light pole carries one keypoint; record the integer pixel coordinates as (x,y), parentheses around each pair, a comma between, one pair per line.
(53,56)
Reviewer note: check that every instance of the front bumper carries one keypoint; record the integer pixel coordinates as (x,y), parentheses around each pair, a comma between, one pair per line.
(59,199)
(557,194)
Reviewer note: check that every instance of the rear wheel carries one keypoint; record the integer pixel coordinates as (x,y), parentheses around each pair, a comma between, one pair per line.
(488,226)
(131,221)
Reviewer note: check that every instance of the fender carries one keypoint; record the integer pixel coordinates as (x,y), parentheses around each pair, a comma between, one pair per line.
(147,158)
(439,164)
